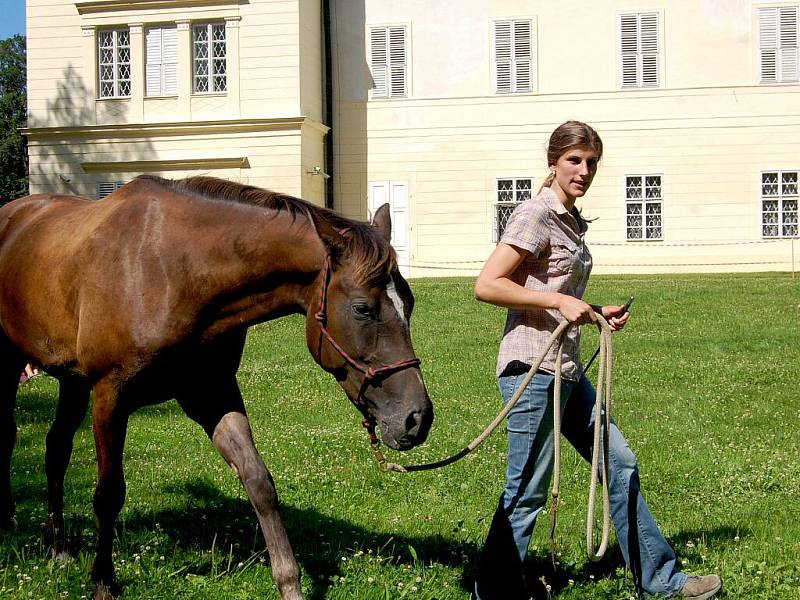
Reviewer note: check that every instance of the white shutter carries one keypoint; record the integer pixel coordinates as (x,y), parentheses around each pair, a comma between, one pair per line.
(788,44)
(153,61)
(397,61)
(768,43)
(648,28)
(161,70)
(522,56)
(169,59)
(502,56)
(629,49)
(379,60)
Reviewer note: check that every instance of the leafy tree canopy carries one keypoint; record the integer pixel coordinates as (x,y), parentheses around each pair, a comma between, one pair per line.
(13,115)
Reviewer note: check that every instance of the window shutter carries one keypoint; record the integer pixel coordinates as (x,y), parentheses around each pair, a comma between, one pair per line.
(161,71)
(649,49)
(502,56)
(768,43)
(379,61)
(629,48)
(522,56)
(788,43)
(169,50)
(397,61)
(153,61)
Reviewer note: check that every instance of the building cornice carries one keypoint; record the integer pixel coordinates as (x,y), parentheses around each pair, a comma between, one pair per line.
(149,166)
(181,128)
(101,6)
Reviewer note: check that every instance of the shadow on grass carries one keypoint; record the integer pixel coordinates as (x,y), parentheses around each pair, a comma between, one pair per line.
(213,519)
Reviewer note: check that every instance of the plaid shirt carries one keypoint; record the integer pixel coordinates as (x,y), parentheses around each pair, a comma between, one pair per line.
(557,261)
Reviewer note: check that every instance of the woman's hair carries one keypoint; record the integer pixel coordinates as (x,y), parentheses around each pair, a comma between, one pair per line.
(568,135)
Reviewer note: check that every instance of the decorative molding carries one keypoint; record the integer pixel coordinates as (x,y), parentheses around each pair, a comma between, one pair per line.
(183,128)
(183,25)
(136,28)
(102,6)
(88,30)
(232,22)
(179,164)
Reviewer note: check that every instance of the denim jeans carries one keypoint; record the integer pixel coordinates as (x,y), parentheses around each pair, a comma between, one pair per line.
(530,469)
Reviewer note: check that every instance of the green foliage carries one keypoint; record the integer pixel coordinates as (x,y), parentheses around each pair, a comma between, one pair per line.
(705,390)
(13,115)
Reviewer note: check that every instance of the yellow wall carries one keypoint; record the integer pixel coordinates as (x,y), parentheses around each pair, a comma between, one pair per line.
(709,129)
(266,87)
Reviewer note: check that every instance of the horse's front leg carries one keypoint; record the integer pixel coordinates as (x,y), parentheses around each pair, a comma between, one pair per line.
(73,400)
(234,440)
(227,426)
(109,422)
(11,365)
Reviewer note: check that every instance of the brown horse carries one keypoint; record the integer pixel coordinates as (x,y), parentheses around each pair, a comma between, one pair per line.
(163,276)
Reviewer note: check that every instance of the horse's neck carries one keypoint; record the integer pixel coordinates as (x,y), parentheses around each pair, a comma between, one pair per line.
(270,272)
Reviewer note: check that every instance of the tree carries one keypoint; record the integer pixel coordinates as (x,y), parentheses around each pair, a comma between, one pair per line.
(13,115)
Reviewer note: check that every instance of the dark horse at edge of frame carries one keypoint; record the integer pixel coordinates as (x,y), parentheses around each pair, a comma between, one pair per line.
(164,276)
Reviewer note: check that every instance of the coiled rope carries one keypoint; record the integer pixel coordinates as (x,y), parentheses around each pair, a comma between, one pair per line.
(601,427)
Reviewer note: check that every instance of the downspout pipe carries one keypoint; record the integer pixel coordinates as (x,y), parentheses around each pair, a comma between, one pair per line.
(328,99)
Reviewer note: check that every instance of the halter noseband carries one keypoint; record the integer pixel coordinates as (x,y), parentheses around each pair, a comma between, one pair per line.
(371,374)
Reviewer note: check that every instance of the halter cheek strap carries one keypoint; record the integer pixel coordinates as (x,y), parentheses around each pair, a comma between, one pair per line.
(371,375)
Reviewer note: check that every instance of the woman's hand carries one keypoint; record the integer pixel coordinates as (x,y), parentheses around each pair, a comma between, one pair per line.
(616,316)
(575,310)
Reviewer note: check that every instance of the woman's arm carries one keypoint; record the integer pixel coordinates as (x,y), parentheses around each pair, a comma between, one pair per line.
(495,286)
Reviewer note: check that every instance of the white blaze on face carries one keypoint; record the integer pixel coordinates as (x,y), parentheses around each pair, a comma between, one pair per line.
(391,290)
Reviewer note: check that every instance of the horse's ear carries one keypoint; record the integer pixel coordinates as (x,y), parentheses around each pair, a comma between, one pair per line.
(332,238)
(383,221)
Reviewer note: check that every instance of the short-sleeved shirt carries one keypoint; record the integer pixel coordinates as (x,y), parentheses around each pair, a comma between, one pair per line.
(557,261)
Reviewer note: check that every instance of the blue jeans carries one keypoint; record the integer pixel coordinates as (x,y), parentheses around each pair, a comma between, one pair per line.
(530,469)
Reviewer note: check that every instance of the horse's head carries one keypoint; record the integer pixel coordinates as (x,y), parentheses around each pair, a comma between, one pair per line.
(358,330)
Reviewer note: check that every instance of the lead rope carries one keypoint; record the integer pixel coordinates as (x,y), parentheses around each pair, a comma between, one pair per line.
(603,392)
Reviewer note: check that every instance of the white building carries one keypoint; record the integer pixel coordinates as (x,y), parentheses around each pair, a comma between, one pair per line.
(443,109)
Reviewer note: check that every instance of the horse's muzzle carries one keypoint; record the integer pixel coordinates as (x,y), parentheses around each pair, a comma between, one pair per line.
(404,432)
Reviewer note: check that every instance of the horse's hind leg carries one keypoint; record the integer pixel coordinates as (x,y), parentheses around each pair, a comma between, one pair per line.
(11,365)
(110,423)
(73,399)
(226,424)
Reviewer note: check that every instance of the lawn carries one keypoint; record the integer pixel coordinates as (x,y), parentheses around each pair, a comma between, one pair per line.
(705,391)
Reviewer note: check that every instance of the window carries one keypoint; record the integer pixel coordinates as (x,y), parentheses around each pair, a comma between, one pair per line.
(779,204)
(510,192)
(777,44)
(114,63)
(388,61)
(643,207)
(513,56)
(209,58)
(161,68)
(104,188)
(639,50)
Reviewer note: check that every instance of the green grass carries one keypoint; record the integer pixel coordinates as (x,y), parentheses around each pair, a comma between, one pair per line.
(705,391)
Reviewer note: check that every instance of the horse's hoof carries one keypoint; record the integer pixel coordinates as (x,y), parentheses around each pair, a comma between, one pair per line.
(103,592)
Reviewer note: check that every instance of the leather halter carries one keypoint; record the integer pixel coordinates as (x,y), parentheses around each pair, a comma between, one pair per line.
(371,375)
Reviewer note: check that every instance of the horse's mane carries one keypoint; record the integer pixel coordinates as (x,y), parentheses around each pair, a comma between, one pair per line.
(372,257)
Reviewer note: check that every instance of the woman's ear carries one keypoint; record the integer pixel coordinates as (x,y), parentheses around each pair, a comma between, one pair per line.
(383,221)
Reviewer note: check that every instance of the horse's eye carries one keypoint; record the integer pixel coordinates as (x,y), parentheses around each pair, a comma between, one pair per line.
(361,310)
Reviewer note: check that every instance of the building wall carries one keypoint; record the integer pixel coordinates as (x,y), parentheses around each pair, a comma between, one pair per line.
(709,129)
(272,105)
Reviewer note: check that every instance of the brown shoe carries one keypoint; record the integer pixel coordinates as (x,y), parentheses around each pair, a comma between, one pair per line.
(701,588)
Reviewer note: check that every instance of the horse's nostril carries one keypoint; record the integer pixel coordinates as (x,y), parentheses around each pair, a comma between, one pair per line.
(413,422)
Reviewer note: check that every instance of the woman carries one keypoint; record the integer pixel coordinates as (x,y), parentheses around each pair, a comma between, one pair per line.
(539,271)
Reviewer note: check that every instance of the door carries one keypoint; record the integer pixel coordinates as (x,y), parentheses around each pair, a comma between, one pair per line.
(396,194)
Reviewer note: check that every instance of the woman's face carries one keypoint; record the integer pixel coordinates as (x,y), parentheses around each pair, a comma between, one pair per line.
(574,171)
